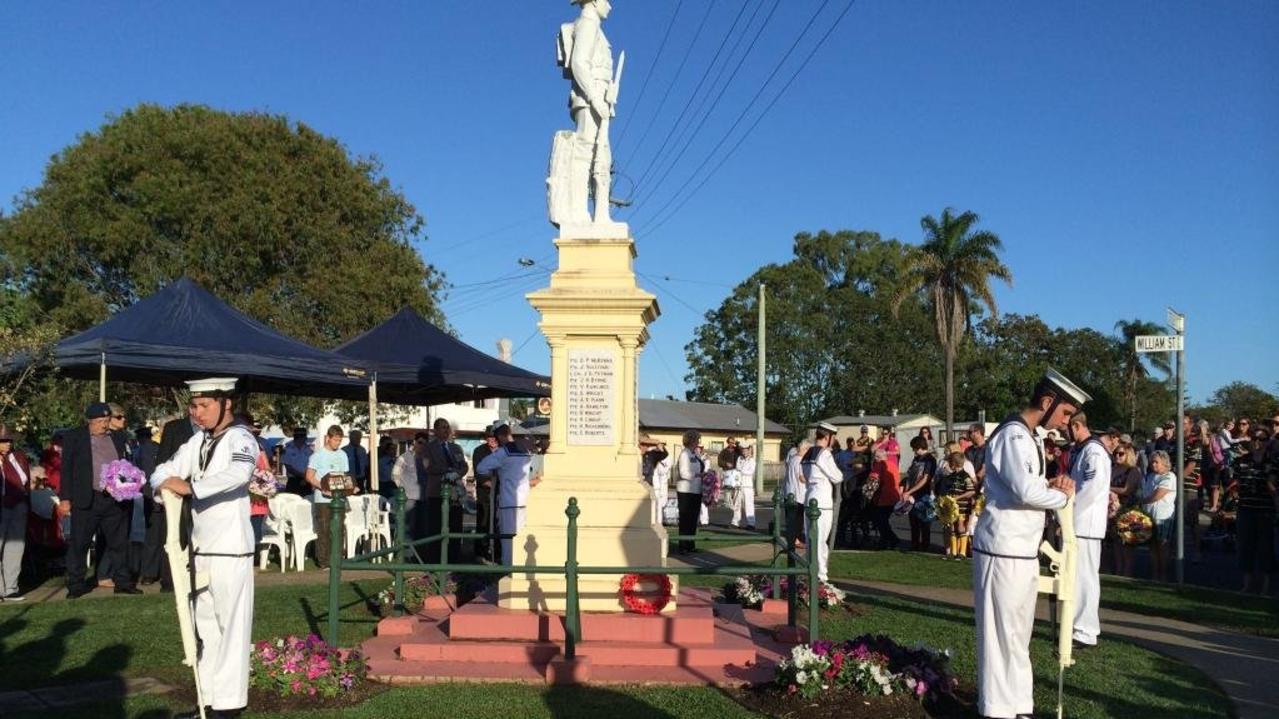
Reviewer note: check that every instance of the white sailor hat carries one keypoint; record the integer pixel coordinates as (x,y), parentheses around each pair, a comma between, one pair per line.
(827,427)
(212,386)
(1065,389)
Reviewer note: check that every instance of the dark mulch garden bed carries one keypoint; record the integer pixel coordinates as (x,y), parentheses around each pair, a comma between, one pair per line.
(769,700)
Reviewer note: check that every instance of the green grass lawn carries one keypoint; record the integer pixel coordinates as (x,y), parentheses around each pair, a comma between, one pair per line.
(63,642)
(1245,613)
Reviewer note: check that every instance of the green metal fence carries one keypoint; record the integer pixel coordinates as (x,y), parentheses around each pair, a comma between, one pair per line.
(796,565)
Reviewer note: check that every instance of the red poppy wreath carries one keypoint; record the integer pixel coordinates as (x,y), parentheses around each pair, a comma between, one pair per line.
(641,601)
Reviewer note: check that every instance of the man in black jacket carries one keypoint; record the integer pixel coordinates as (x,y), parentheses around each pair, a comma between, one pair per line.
(155,563)
(85,451)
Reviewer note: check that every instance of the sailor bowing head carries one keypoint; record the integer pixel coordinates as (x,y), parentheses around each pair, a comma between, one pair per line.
(1057,399)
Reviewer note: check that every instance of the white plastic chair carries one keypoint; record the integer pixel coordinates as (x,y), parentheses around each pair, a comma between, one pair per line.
(356,523)
(301,530)
(379,519)
(274,534)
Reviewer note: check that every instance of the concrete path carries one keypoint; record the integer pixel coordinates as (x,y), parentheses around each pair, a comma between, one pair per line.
(1243,665)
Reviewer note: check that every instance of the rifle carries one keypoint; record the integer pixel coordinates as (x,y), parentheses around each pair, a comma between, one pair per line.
(186,584)
(1060,584)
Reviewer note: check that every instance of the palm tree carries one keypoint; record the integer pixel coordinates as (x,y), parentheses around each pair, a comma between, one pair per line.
(1134,369)
(953,269)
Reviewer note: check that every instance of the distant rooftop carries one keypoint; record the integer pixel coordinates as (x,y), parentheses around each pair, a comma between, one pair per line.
(881,420)
(673,414)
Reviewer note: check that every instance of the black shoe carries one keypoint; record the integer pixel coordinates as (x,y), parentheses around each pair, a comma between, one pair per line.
(194,714)
(1077,647)
(145,581)
(77,592)
(127,590)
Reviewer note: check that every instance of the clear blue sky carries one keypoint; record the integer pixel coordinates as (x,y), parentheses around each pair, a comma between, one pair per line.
(1127,153)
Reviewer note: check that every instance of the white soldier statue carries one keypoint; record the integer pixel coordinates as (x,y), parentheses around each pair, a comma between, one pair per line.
(581,160)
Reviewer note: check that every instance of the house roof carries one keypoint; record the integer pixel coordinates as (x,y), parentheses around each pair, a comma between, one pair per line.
(672,414)
(884,420)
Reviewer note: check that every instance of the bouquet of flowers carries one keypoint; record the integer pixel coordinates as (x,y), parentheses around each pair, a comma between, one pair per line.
(122,480)
(748,591)
(925,509)
(292,666)
(1134,527)
(947,510)
(262,484)
(828,595)
(711,489)
(980,505)
(416,589)
(903,506)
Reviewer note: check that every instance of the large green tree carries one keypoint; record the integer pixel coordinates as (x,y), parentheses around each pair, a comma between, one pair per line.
(1137,365)
(1242,399)
(953,270)
(268,214)
(834,345)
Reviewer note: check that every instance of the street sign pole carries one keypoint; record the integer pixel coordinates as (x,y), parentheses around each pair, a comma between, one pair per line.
(1178,322)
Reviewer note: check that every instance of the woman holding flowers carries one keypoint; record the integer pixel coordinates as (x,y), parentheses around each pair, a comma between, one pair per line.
(1158,498)
(1125,484)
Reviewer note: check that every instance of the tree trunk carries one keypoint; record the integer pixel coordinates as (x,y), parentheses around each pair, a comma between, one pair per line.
(950,393)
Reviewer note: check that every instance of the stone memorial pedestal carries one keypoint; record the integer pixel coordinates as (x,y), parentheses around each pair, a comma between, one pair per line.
(595,319)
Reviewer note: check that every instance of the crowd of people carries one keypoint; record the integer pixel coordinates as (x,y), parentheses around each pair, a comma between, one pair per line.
(56,517)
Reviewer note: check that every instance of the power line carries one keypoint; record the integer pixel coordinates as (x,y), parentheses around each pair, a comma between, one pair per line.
(528,339)
(491,233)
(697,88)
(672,295)
(487,302)
(682,64)
(714,103)
(649,75)
(684,197)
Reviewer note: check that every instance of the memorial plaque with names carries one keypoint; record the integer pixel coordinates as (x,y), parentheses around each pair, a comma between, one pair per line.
(591,385)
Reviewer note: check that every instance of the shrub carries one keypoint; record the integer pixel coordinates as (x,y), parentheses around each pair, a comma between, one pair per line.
(291,666)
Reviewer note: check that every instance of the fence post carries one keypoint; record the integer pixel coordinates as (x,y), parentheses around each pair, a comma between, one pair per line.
(792,581)
(337,507)
(777,534)
(813,538)
(401,537)
(572,620)
(446,501)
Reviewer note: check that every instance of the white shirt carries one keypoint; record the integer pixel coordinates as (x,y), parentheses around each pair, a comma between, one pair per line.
(1164,507)
(821,474)
(513,466)
(1090,469)
(746,470)
(691,467)
(220,491)
(1017,493)
(795,484)
(662,473)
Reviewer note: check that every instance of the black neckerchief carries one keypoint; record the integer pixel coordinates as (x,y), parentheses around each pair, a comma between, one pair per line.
(812,454)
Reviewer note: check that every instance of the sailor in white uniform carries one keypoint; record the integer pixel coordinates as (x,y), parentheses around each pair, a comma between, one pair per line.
(821,475)
(513,464)
(1006,545)
(213,468)
(744,503)
(1090,471)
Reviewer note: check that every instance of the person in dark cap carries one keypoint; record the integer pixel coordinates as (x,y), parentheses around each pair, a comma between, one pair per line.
(1006,544)
(485,491)
(85,451)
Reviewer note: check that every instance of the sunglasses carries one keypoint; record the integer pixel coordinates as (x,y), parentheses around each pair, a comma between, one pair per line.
(117,416)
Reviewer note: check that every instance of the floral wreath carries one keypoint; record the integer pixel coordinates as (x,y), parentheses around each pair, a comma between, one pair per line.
(636,601)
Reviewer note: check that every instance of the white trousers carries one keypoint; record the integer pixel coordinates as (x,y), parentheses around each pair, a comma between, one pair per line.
(744,503)
(1087,591)
(1005,591)
(511,521)
(224,619)
(824,524)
